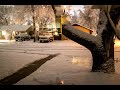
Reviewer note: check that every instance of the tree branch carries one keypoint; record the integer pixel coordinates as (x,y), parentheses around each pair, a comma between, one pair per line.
(79,36)
(53,7)
(117,32)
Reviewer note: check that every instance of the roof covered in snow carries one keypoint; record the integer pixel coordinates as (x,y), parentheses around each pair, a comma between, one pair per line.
(15,27)
(82,26)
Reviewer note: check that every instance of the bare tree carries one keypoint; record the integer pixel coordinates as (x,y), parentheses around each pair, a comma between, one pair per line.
(6,14)
(74,18)
(44,16)
(15,14)
(89,18)
(26,13)
(22,14)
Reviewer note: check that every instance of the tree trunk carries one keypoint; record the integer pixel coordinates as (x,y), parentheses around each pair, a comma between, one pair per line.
(34,28)
(101,46)
(98,61)
(105,61)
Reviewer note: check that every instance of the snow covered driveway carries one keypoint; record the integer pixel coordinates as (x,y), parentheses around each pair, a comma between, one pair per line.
(72,65)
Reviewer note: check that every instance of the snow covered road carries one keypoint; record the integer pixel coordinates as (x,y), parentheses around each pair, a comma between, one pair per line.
(71,66)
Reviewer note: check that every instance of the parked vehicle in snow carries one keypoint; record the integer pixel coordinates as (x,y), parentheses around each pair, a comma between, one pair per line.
(22,37)
(46,37)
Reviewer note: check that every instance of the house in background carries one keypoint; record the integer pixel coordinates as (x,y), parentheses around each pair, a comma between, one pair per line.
(77,26)
(82,28)
(8,32)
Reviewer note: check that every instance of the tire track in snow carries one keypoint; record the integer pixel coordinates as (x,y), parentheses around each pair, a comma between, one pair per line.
(25,71)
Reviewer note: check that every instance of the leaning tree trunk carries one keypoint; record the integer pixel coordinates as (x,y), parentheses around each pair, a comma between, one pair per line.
(103,56)
(101,46)
(108,42)
(107,59)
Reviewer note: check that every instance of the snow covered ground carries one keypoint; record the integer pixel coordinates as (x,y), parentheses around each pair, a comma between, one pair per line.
(71,67)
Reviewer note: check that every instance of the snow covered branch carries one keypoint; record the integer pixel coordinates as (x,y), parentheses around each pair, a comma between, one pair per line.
(102,23)
(79,36)
(117,32)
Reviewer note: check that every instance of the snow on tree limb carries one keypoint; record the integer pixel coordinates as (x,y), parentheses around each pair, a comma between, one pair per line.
(107,9)
(102,23)
(117,32)
(78,32)
(67,27)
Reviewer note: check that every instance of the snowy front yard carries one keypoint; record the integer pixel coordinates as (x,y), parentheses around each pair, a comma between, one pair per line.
(71,67)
